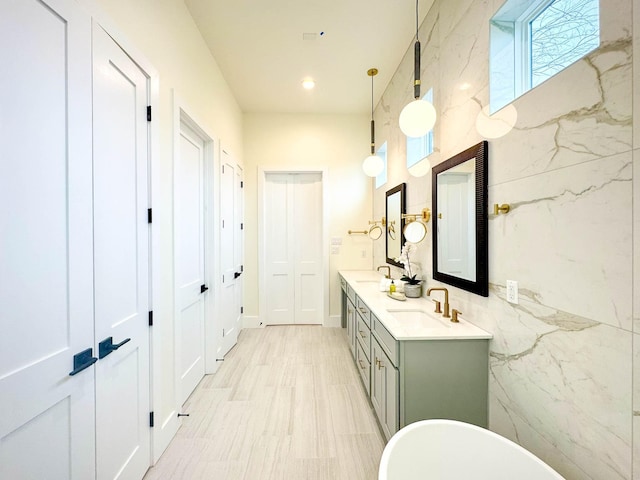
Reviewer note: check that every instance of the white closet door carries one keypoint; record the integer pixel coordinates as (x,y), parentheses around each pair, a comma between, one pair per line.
(307,245)
(293,248)
(190,259)
(228,307)
(121,261)
(46,273)
(278,249)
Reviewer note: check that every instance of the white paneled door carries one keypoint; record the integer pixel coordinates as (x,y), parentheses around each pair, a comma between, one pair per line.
(230,251)
(46,265)
(293,222)
(121,252)
(190,258)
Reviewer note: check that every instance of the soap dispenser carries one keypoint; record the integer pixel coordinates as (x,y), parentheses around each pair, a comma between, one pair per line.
(392,287)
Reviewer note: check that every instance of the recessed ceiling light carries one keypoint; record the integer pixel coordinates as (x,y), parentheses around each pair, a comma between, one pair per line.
(308,83)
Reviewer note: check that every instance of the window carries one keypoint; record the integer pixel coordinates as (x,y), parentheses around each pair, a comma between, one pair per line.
(531,41)
(381,179)
(420,147)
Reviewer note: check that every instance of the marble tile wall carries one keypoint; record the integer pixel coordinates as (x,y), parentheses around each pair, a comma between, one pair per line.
(565,361)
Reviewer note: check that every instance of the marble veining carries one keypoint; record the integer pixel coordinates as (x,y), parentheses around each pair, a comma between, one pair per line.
(562,380)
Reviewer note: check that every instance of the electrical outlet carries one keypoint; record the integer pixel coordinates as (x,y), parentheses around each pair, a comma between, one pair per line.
(512,291)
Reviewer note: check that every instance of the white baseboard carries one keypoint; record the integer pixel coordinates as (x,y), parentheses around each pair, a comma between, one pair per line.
(334,321)
(251,322)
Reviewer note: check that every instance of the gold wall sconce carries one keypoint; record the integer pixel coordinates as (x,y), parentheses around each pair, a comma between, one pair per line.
(425,216)
(375,229)
(498,209)
(416,229)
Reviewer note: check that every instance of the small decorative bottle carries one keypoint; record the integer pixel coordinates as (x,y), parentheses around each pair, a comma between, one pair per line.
(392,287)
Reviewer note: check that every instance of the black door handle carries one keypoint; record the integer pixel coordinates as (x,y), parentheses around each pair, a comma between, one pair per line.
(237,274)
(82,360)
(203,288)
(107,346)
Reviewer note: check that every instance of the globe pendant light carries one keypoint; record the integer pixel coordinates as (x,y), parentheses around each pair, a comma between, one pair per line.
(373,164)
(419,116)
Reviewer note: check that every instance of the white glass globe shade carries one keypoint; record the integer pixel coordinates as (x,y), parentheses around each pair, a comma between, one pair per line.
(421,168)
(498,124)
(417,118)
(373,165)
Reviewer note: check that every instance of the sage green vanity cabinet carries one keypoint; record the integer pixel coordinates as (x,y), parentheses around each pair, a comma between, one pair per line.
(384,389)
(414,378)
(349,314)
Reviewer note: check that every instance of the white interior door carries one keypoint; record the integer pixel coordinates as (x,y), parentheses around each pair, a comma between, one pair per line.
(121,261)
(238,247)
(190,258)
(293,248)
(228,234)
(47,427)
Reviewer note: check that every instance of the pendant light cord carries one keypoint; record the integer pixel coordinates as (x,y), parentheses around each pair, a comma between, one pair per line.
(416,61)
(373,128)
(417,21)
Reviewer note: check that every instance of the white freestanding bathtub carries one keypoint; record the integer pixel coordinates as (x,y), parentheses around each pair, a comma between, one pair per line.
(451,450)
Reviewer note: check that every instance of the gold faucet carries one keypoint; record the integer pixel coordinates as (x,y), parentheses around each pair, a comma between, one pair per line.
(388,275)
(446,300)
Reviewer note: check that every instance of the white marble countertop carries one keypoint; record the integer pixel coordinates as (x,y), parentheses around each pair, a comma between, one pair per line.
(418,322)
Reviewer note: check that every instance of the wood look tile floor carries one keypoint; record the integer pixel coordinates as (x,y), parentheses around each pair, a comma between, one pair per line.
(287,403)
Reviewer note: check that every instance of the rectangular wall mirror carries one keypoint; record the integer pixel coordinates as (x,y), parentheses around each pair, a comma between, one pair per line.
(395,208)
(460,222)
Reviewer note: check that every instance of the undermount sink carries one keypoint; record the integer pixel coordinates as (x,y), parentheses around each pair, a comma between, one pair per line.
(419,317)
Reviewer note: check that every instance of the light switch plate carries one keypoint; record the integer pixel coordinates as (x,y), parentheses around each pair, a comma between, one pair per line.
(512,291)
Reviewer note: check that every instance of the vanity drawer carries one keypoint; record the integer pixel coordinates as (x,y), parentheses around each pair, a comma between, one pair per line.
(364,367)
(364,311)
(387,342)
(364,335)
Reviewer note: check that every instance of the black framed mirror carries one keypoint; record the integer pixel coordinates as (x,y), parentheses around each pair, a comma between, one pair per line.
(460,222)
(394,225)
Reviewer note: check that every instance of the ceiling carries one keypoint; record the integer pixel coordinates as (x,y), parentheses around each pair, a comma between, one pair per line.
(266,48)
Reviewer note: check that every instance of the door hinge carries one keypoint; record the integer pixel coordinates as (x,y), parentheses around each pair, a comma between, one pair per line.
(151,419)
(148,113)
(222,278)
(151,318)
(222,168)
(242,268)
(242,226)
(241,309)
(149,215)
(241,184)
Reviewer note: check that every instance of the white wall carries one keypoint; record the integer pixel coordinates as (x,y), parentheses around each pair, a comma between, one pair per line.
(336,142)
(561,365)
(165,34)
